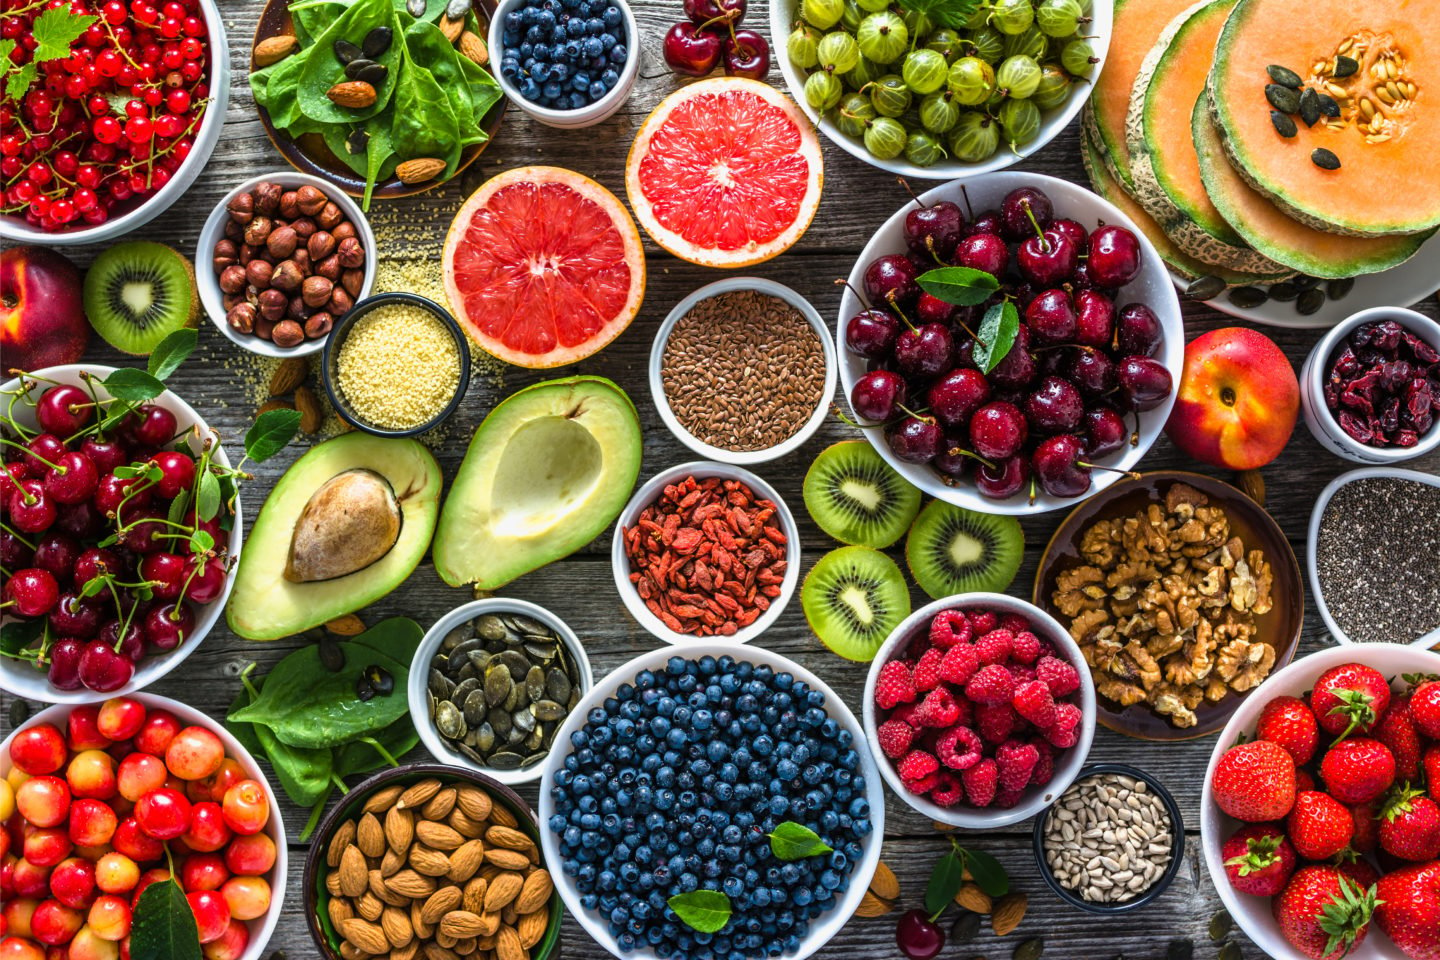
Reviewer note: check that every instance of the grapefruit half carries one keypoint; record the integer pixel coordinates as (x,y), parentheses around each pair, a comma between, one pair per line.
(725,172)
(543,267)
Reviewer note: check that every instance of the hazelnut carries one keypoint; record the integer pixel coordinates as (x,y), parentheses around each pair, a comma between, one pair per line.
(263,328)
(304,227)
(287,276)
(241,318)
(281,241)
(273,304)
(246,253)
(233,230)
(301,256)
(287,333)
(298,309)
(343,229)
(252,294)
(267,198)
(316,291)
(353,281)
(225,255)
(311,200)
(329,268)
(329,216)
(340,302)
(321,244)
(351,253)
(289,205)
(257,273)
(318,325)
(257,230)
(232,279)
(242,208)
(230,300)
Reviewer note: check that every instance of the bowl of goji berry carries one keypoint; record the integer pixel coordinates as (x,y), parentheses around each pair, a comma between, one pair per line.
(706,551)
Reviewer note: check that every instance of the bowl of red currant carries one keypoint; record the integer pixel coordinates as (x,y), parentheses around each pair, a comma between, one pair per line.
(1012,343)
(121,525)
(122,105)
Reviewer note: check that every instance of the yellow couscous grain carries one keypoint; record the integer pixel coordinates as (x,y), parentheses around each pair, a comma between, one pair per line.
(398,366)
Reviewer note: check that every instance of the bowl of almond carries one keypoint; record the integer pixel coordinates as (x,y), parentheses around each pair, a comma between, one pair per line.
(427,860)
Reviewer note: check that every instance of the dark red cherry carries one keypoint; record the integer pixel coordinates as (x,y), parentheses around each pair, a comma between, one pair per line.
(75,481)
(80,520)
(165,573)
(917,936)
(1024,212)
(57,553)
(1072,229)
(31,592)
(103,669)
(64,410)
(105,454)
(891,279)
(32,510)
(1144,382)
(1054,407)
(871,334)
(1048,260)
(1092,371)
(746,54)
(166,625)
(876,395)
(931,309)
(204,580)
(1056,462)
(1137,331)
(915,440)
(1105,432)
(1007,478)
(42,453)
(689,50)
(924,351)
(998,430)
(1094,319)
(1114,256)
(64,671)
(951,462)
(151,425)
(1017,369)
(955,397)
(983,251)
(986,221)
(934,231)
(703,11)
(76,616)
(128,641)
(1051,317)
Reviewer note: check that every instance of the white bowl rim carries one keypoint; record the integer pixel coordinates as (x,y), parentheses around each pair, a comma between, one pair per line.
(1165,304)
(649,491)
(275,827)
(1312,570)
(733,285)
(1067,767)
(417,684)
(830,922)
(38,688)
(213,229)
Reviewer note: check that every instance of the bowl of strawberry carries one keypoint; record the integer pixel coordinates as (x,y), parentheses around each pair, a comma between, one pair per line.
(1012,343)
(1320,816)
(119,107)
(121,524)
(126,822)
(979,710)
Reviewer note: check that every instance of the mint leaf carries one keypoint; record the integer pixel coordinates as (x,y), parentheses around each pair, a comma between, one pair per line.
(207,502)
(270,432)
(795,841)
(171,352)
(705,910)
(20,80)
(19,634)
(163,928)
(56,29)
(962,286)
(996,335)
(989,875)
(132,385)
(945,881)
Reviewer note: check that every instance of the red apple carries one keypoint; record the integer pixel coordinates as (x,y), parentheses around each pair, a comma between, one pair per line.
(1237,402)
(42,309)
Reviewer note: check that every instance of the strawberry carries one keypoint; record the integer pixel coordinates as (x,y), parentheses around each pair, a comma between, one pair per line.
(1430,764)
(1397,731)
(1348,698)
(1319,826)
(1258,859)
(1255,782)
(894,685)
(1410,910)
(1366,837)
(1425,708)
(1410,825)
(1358,771)
(1288,722)
(1304,780)
(1323,913)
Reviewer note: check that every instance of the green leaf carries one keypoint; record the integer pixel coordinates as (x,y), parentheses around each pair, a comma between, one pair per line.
(132,385)
(207,503)
(795,841)
(946,13)
(270,432)
(20,79)
(95,585)
(178,506)
(56,29)
(201,542)
(304,775)
(163,928)
(705,910)
(396,637)
(996,335)
(171,352)
(989,875)
(945,881)
(962,286)
(19,634)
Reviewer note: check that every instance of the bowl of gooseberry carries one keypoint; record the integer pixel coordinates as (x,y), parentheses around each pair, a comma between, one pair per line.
(92,795)
(1012,343)
(121,532)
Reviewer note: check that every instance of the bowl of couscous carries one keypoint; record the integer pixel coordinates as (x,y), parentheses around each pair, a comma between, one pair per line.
(396,365)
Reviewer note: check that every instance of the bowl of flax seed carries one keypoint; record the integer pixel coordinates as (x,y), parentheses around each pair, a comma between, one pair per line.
(743,370)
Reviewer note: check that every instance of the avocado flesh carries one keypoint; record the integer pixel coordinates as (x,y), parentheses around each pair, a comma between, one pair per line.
(546,472)
(264,605)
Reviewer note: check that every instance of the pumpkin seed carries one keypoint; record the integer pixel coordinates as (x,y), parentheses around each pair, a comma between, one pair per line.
(557,685)
(1329,106)
(966,927)
(1283,124)
(1305,282)
(1230,951)
(1310,107)
(1282,98)
(524,720)
(372,73)
(1220,925)
(1030,949)
(548,711)
(1339,289)
(506,760)
(1180,950)
(498,684)
(332,658)
(1285,291)
(1205,288)
(489,627)
(364,691)
(345,51)
(474,708)
(380,680)
(485,738)
(1284,76)
(376,42)
(1248,297)
(1345,66)
(19,711)
(1324,159)
(1310,302)
(449,721)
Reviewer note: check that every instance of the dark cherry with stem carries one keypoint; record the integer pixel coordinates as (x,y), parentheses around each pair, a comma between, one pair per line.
(691,49)
(1114,256)
(64,410)
(926,350)
(983,251)
(871,332)
(998,430)
(916,440)
(1092,371)
(746,54)
(1072,229)
(1023,212)
(876,395)
(1105,431)
(891,279)
(1005,478)
(918,936)
(705,11)
(1048,258)
(933,231)
(1094,319)
(1060,470)
(955,397)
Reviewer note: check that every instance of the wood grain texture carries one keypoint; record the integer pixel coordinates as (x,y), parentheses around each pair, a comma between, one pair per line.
(857,199)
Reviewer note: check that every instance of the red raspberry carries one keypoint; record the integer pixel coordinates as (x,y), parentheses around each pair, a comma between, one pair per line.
(959,664)
(1044,770)
(1008,799)
(1059,676)
(1066,731)
(905,713)
(980,782)
(895,738)
(1026,648)
(922,785)
(996,723)
(950,627)
(1014,622)
(894,685)
(995,647)
(1033,702)
(959,748)
(983,622)
(927,669)
(938,709)
(991,685)
(917,764)
(947,791)
(1022,672)
(1016,762)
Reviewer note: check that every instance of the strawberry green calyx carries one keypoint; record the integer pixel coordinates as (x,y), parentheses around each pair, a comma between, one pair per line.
(1260,852)
(1347,915)
(1354,705)
(1398,803)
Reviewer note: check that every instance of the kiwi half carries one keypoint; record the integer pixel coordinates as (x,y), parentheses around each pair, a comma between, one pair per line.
(138,293)
(856,497)
(853,598)
(952,550)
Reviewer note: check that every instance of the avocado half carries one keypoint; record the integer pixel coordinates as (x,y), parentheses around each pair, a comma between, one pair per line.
(265,604)
(546,472)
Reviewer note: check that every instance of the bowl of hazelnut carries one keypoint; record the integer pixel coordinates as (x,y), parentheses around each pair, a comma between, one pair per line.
(289,256)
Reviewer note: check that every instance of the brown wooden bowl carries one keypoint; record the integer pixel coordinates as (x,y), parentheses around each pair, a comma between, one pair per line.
(1280,627)
(310,154)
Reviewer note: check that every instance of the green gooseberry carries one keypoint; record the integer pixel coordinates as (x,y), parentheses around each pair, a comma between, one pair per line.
(1012,16)
(822,13)
(838,52)
(885,138)
(874,6)
(865,71)
(978,18)
(987,44)
(1058,18)
(918,23)
(850,19)
(890,95)
(1020,120)
(924,71)
(972,80)
(1054,87)
(945,42)
(823,90)
(1078,58)
(802,46)
(854,114)
(883,36)
(1032,43)
(923,148)
(1019,77)
(975,137)
(939,111)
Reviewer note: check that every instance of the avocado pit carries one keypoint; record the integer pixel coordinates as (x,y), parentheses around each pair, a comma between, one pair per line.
(351,521)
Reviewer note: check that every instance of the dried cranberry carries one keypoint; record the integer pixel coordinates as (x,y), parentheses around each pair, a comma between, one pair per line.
(1406,438)
(1355,428)
(1345,364)
(1390,416)
(1370,357)
(1387,335)
(1332,395)
(1362,335)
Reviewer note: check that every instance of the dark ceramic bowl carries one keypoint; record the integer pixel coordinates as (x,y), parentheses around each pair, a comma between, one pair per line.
(1280,628)
(330,365)
(317,898)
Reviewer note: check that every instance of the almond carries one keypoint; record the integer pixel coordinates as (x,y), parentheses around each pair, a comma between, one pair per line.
(370,836)
(508,837)
(433,951)
(346,626)
(440,805)
(339,910)
(438,835)
(1009,911)
(418,793)
(366,936)
(355,94)
(384,893)
(429,862)
(1253,483)
(344,836)
(461,923)
(485,943)
(407,952)
(503,889)
(354,874)
(472,46)
(369,906)
(396,924)
(274,49)
(537,890)
(884,884)
(292,372)
(439,903)
(509,915)
(312,416)
(452,28)
(531,927)
(474,801)
(332,883)
(408,883)
(466,860)
(399,829)
(424,929)
(465,825)
(474,898)
(383,799)
(503,816)
(392,861)
(972,898)
(420,170)
(873,906)
(506,859)
(508,946)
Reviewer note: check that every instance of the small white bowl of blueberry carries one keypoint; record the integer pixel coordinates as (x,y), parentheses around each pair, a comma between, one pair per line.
(567,63)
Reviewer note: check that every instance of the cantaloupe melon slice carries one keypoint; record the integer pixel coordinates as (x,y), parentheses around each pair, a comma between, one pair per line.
(1388,181)
(1284,239)
(1163,164)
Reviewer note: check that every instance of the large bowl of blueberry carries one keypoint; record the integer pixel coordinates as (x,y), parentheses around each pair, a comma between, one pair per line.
(567,63)
(716,801)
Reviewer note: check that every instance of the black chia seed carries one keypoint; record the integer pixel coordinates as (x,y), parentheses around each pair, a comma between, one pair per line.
(1378,559)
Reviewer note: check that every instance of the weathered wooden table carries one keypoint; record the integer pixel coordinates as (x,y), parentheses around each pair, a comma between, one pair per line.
(857,199)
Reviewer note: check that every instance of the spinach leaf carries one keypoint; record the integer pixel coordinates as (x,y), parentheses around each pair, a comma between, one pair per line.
(433,9)
(361,756)
(244,732)
(304,775)
(484,92)
(427,44)
(311,19)
(276,89)
(380,159)
(398,638)
(322,70)
(423,125)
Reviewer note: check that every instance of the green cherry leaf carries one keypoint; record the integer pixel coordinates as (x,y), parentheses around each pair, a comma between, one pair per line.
(962,286)
(133,386)
(945,881)
(19,634)
(167,356)
(164,927)
(795,841)
(270,433)
(996,335)
(207,503)
(704,910)
(989,875)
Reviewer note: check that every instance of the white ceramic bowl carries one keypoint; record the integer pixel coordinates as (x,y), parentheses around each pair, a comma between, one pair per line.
(1152,287)
(620,563)
(785,13)
(1318,418)
(211,297)
(1067,765)
(1312,537)
(821,929)
(657,359)
(16,229)
(1252,914)
(262,927)
(417,691)
(601,109)
(23,681)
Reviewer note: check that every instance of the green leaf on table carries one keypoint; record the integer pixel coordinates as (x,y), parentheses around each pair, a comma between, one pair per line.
(19,634)
(396,637)
(996,335)
(167,356)
(945,881)
(962,286)
(987,872)
(270,432)
(207,501)
(704,910)
(163,927)
(56,29)
(795,841)
(133,385)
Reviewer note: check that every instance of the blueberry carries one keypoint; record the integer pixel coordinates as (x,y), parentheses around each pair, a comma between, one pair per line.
(540,72)
(510,70)
(594,26)
(608,41)
(529,89)
(514,20)
(572,50)
(546,20)
(593,47)
(612,16)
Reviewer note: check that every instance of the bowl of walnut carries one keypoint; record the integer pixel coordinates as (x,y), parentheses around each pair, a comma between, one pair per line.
(1184,596)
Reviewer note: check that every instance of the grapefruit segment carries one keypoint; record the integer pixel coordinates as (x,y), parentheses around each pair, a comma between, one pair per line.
(725,172)
(543,267)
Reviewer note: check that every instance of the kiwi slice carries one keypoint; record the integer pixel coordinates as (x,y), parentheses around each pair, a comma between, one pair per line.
(853,598)
(952,550)
(856,497)
(138,293)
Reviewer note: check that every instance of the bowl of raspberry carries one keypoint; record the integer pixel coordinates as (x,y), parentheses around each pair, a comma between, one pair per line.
(979,710)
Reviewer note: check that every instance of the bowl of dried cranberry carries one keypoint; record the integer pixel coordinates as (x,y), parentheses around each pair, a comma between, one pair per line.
(1370,389)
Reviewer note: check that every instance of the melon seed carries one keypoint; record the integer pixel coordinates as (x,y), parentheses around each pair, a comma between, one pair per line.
(1204,288)
(345,51)
(1338,289)
(966,927)
(1324,159)
(1310,302)
(1283,124)
(1345,66)
(1282,98)
(1305,281)
(1328,106)
(1284,76)
(1310,107)
(1248,297)
(1284,291)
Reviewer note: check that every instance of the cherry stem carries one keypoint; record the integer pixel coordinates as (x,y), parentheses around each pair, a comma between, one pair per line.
(27,543)
(901,313)
(974,456)
(840,415)
(904,183)
(1044,244)
(1135,434)
(20,446)
(1032,490)
(842,282)
(969,210)
(922,417)
(1097,466)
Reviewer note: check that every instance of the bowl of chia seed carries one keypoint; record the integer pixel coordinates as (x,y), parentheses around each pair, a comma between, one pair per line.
(1374,557)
